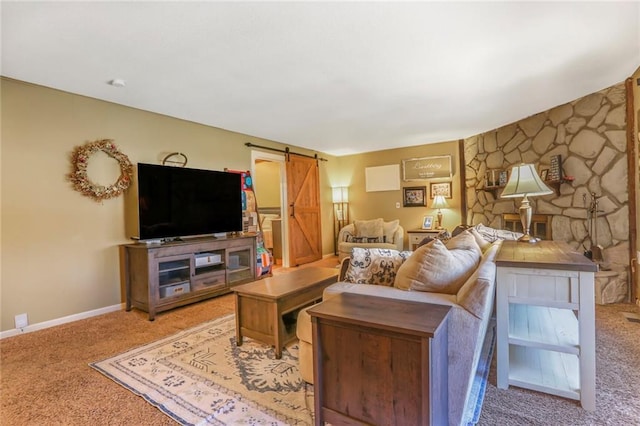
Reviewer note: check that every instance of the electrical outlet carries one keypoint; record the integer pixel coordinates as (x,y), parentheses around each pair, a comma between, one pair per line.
(22,321)
(397,205)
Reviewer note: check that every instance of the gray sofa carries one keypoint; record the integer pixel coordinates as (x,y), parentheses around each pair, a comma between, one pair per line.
(468,320)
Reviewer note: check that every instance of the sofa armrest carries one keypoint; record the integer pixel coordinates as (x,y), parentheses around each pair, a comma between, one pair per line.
(344,265)
(398,238)
(345,231)
(477,292)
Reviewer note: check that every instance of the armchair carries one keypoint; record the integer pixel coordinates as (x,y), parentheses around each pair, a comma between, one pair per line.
(374,233)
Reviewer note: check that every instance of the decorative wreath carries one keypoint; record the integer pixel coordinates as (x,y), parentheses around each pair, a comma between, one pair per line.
(80,180)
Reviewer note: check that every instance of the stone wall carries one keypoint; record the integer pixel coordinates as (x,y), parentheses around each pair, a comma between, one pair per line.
(590,135)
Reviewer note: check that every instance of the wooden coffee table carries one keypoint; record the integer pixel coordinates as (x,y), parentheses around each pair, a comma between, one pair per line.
(266,310)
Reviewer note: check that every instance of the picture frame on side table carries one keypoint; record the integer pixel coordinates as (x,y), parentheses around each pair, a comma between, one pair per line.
(440,188)
(427,223)
(415,196)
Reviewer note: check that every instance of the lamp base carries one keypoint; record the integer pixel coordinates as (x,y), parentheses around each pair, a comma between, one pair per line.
(528,239)
(439,217)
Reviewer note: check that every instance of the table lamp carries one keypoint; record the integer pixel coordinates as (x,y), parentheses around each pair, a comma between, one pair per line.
(439,203)
(525,182)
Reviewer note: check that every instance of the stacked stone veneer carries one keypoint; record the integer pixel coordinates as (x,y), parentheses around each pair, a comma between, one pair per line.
(590,135)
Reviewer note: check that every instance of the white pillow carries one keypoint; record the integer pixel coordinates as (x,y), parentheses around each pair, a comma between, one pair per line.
(390,228)
(370,228)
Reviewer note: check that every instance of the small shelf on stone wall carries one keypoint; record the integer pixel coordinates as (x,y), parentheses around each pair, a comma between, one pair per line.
(496,190)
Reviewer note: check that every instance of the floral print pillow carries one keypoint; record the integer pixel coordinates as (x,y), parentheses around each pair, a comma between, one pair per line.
(374,265)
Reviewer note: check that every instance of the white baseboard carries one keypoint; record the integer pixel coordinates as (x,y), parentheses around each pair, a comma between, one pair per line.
(59,321)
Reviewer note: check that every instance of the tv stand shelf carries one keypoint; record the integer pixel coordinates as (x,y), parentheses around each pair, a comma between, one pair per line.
(160,277)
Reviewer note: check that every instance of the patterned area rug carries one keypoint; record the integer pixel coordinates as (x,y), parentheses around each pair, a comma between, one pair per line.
(201,377)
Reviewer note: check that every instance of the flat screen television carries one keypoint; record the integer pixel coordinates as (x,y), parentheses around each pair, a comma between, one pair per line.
(182,202)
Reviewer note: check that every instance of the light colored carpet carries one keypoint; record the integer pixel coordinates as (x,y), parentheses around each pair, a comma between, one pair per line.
(200,376)
(617,383)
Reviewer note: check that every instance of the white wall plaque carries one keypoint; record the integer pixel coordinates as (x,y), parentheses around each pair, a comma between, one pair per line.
(382,178)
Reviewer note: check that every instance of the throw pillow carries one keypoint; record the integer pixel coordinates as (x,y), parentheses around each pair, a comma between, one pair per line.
(354,239)
(482,243)
(425,240)
(435,268)
(374,266)
(458,229)
(492,234)
(465,241)
(369,228)
(390,228)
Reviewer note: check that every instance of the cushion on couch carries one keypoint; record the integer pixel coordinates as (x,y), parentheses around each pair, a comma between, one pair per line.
(482,243)
(464,241)
(373,228)
(368,240)
(492,234)
(433,267)
(390,229)
(374,266)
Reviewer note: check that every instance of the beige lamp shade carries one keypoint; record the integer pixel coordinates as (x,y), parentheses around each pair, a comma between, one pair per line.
(524,181)
(340,194)
(439,202)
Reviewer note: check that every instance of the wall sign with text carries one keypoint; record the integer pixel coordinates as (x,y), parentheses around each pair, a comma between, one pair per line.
(426,168)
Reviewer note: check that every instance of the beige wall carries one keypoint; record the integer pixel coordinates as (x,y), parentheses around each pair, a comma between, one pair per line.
(370,205)
(267,183)
(60,249)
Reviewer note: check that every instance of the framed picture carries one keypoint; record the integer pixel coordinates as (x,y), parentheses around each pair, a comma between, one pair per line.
(544,174)
(415,196)
(427,222)
(441,188)
(427,168)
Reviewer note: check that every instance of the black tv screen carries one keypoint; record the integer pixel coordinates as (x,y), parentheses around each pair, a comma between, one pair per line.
(181,202)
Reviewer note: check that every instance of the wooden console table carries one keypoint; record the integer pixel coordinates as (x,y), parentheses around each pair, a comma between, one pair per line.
(541,343)
(266,310)
(380,361)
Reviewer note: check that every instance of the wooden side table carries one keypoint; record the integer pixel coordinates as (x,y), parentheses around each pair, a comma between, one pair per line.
(417,235)
(380,361)
(541,343)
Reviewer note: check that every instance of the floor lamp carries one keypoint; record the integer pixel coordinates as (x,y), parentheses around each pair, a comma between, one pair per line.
(525,182)
(340,197)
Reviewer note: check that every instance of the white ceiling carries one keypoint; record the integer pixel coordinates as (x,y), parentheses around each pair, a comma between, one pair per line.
(336,77)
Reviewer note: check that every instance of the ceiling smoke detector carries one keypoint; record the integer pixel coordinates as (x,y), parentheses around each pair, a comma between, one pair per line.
(118,82)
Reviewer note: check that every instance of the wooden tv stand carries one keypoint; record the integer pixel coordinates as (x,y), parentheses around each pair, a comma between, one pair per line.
(159,277)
